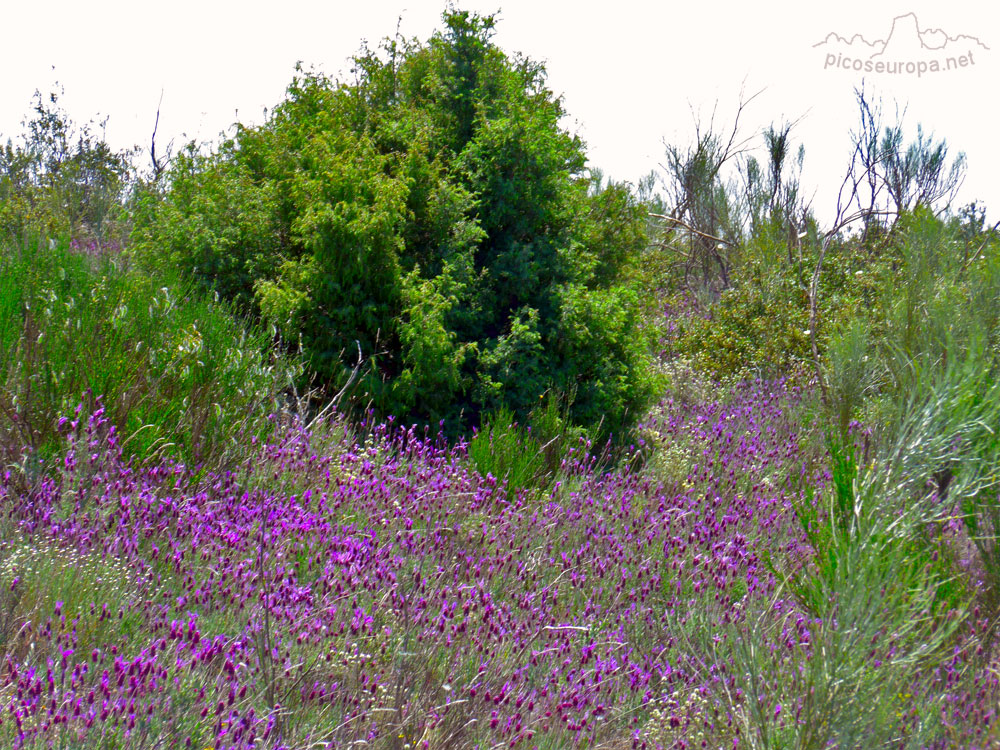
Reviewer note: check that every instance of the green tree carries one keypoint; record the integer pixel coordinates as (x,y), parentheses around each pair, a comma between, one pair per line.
(61,179)
(429,224)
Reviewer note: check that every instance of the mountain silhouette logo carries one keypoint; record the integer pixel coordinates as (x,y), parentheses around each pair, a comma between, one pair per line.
(906,49)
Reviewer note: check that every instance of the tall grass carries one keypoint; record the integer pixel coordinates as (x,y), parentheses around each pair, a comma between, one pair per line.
(506,451)
(178,374)
(865,642)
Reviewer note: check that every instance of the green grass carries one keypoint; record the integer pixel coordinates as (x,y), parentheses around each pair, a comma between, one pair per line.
(507,451)
(179,374)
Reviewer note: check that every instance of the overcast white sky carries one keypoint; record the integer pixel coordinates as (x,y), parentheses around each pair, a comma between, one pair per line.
(630,72)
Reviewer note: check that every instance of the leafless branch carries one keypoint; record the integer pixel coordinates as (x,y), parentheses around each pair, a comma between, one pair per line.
(866,158)
(159,163)
(675,220)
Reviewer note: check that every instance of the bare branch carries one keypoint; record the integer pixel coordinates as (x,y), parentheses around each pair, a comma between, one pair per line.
(679,222)
(159,164)
(700,202)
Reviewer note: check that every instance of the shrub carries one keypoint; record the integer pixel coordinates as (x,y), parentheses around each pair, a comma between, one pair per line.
(177,373)
(59,178)
(429,226)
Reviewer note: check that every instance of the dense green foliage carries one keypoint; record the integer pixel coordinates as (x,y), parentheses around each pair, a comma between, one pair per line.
(177,374)
(745,259)
(910,297)
(429,224)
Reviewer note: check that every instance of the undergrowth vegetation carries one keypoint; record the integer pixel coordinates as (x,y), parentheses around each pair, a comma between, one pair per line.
(178,374)
(388,423)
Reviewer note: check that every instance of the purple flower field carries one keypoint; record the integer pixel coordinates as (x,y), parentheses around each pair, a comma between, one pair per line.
(370,589)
